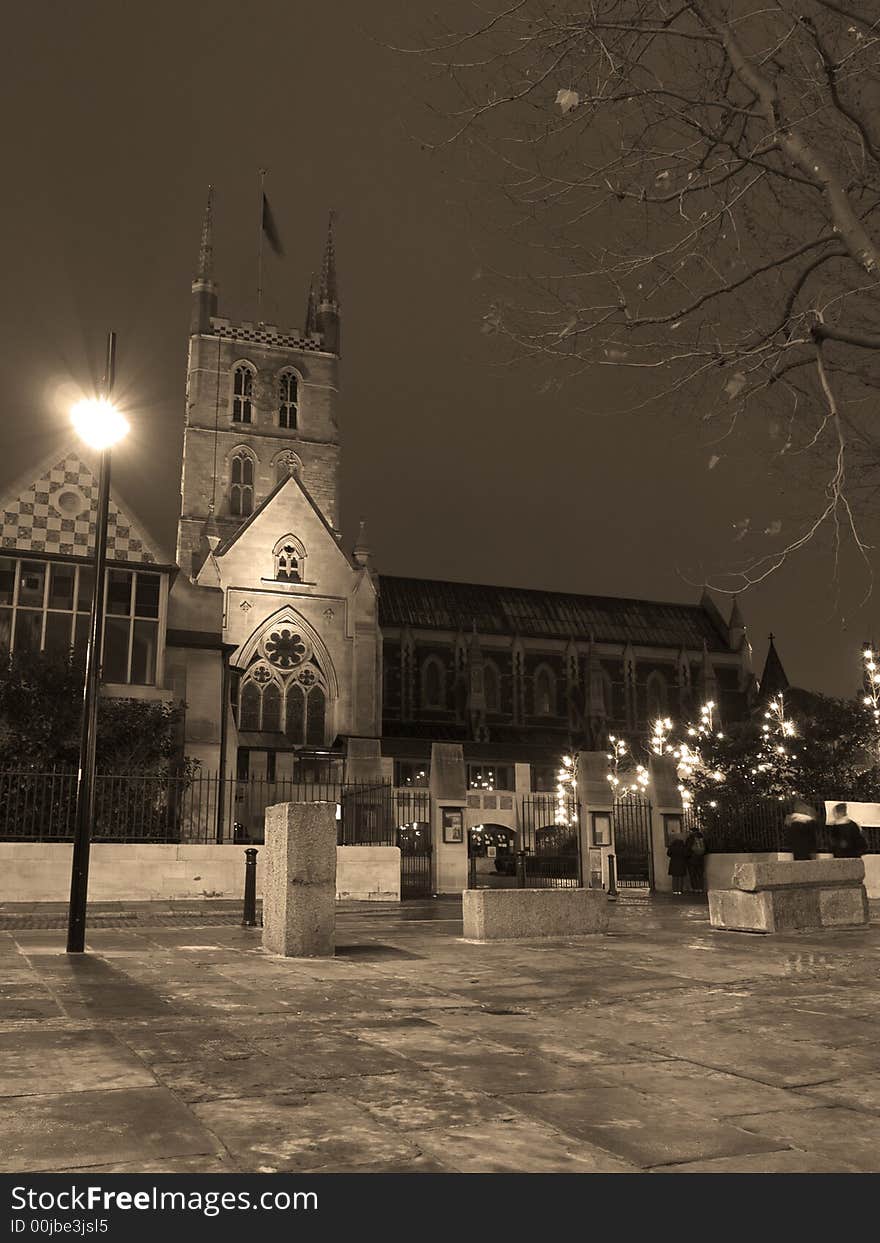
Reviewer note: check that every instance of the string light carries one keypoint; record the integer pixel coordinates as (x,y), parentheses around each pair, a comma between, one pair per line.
(632,780)
(872,682)
(566,791)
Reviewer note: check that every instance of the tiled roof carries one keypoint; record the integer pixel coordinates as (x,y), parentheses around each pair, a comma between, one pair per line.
(428,604)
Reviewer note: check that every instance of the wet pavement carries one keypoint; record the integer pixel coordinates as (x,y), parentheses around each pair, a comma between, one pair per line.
(177,1045)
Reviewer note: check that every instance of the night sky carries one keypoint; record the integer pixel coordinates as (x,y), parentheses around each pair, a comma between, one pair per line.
(463,466)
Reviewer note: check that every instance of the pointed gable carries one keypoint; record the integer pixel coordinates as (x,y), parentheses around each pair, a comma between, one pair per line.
(57,514)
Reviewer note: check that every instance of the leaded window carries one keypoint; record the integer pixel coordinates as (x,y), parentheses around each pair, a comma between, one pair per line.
(288,399)
(241,485)
(283,691)
(242,394)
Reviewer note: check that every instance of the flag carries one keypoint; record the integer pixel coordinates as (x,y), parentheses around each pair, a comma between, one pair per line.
(269,229)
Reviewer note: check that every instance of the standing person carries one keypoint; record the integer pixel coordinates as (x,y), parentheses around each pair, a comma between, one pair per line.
(678,863)
(847,839)
(802,834)
(695,845)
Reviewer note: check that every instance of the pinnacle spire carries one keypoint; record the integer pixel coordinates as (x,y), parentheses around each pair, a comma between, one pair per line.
(205,272)
(362,552)
(774,679)
(329,292)
(204,291)
(312,309)
(736,618)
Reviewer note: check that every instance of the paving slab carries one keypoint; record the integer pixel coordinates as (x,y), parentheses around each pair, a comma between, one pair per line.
(841,1134)
(640,1129)
(709,1093)
(517,1146)
(784,1161)
(72,1061)
(303,1132)
(69,1130)
(243,1076)
(421,1100)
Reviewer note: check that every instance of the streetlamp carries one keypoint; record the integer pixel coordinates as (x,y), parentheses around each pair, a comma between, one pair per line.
(100,424)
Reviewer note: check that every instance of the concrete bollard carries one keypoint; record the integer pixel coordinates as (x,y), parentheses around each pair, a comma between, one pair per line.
(299,880)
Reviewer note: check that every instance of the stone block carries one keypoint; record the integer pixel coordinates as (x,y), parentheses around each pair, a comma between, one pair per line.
(791,896)
(782,873)
(299,880)
(740,912)
(530,914)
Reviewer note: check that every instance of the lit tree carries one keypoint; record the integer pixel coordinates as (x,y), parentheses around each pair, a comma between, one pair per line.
(566,791)
(695,185)
(872,681)
(625,775)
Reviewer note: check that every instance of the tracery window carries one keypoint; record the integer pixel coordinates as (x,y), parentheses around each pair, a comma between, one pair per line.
(288,399)
(241,484)
(284,690)
(290,558)
(545,691)
(242,394)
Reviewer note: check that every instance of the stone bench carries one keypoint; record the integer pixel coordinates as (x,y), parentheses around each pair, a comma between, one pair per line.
(529,914)
(789,896)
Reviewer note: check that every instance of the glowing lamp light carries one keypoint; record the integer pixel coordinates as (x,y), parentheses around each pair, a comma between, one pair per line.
(98,422)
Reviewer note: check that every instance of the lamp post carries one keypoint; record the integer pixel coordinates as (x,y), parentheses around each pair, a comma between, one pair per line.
(101,425)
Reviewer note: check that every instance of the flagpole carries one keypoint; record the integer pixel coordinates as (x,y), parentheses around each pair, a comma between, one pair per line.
(260,250)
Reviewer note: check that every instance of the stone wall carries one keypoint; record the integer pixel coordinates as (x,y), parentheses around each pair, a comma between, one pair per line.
(40,872)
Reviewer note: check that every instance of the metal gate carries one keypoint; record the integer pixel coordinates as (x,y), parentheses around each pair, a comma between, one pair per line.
(414,840)
(632,843)
(366,816)
(548,855)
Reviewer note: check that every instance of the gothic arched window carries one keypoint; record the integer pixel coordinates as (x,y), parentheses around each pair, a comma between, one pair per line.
(492,686)
(272,707)
(294,720)
(288,399)
(242,394)
(656,691)
(545,691)
(433,683)
(241,484)
(315,704)
(275,699)
(289,560)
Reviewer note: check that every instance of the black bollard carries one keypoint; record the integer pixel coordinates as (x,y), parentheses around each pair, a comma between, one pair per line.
(612,881)
(249,915)
(521,869)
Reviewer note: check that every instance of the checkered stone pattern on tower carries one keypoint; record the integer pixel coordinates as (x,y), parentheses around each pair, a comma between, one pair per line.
(38,522)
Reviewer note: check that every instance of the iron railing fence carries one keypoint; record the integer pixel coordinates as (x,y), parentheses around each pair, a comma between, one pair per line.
(200,808)
(758,826)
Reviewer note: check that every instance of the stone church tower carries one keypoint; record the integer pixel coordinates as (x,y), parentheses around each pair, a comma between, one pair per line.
(273,639)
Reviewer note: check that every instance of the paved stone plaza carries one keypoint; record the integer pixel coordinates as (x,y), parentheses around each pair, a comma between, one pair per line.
(177,1045)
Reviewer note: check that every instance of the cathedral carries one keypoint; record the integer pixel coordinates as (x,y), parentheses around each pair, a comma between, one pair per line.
(295,659)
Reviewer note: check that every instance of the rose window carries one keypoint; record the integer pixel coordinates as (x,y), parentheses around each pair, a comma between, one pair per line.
(285,648)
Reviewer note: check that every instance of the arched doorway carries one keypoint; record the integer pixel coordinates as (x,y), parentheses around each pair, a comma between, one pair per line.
(492,857)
